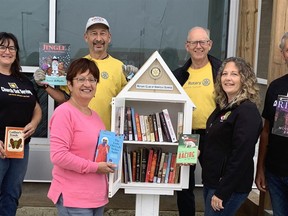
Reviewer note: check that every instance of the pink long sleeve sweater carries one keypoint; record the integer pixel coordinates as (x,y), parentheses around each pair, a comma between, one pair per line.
(73,139)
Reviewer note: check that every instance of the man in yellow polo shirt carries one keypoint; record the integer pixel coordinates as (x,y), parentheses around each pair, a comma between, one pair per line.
(112,71)
(197,78)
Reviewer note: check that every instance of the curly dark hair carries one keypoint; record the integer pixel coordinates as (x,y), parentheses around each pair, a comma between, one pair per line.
(249,86)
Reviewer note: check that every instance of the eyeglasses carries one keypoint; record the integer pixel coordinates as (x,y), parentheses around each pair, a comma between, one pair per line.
(201,42)
(82,80)
(11,49)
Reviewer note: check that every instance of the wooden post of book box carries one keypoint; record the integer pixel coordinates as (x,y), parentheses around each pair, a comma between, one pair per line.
(152,90)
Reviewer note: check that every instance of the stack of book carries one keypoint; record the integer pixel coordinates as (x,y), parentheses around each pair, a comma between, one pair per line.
(151,165)
(155,127)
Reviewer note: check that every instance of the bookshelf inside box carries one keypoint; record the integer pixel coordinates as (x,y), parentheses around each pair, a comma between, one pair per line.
(147,102)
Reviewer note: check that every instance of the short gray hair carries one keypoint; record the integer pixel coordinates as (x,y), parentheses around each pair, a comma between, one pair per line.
(283,40)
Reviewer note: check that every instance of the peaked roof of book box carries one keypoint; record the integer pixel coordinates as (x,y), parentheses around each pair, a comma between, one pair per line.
(154,80)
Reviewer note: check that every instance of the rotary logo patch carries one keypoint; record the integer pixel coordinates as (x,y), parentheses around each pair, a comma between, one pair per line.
(104,75)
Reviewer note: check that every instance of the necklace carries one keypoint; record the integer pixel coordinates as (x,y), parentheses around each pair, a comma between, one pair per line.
(86,110)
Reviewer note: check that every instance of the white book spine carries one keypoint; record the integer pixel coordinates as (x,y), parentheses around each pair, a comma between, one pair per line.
(159,128)
(169,125)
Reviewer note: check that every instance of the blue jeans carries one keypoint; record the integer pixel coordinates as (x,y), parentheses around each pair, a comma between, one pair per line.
(12,173)
(278,189)
(230,206)
(69,211)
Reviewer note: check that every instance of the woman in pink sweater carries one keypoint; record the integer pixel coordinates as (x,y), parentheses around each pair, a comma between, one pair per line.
(79,185)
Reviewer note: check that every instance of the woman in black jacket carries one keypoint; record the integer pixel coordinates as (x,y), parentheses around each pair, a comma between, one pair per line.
(232,131)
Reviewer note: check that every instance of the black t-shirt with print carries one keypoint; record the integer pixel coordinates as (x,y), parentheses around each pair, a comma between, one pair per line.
(277,154)
(18,99)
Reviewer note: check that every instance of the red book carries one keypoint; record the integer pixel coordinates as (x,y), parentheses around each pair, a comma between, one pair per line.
(149,163)
(153,166)
(138,127)
(172,169)
(134,156)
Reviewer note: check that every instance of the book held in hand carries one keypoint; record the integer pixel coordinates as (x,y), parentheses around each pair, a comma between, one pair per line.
(187,151)
(14,142)
(54,59)
(280,126)
(109,147)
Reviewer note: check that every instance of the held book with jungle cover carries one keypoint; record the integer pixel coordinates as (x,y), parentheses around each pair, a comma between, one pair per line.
(54,59)
(187,151)
(14,142)
(109,147)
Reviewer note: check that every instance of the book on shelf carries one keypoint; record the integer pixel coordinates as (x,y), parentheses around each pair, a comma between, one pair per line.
(129,123)
(177,173)
(125,129)
(164,170)
(134,165)
(151,128)
(159,128)
(134,128)
(168,167)
(144,161)
(172,172)
(14,142)
(169,125)
(143,128)
(54,59)
(153,166)
(180,121)
(166,135)
(155,127)
(118,120)
(149,163)
(138,127)
(138,166)
(147,128)
(159,153)
(125,167)
(161,165)
(109,147)
(280,126)
(187,150)
(129,165)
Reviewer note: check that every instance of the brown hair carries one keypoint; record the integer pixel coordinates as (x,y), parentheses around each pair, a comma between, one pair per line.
(15,67)
(82,65)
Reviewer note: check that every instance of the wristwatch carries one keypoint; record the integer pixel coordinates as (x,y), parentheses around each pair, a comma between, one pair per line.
(43,86)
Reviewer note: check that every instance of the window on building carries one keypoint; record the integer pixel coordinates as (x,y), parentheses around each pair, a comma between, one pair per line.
(138,27)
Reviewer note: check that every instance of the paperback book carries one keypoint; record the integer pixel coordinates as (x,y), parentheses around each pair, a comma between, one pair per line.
(109,147)
(14,142)
(187,151)
(280,126)
(54,59)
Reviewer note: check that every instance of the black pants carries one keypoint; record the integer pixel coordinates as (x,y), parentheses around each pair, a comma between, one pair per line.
(186,198)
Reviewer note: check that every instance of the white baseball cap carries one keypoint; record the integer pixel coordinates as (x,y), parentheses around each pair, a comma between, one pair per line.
(96,20)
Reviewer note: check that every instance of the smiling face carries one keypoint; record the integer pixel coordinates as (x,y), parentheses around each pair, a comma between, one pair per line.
(8,55)
(98,38)
(198,44)
(231,80)
(83,87)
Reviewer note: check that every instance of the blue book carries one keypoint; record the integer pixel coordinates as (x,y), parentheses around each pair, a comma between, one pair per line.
(109,147)
(168,167)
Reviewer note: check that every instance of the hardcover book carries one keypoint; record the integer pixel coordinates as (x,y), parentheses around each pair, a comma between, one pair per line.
(187,151)
(109,147)
(280,126)
(14,142)
(54,59)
